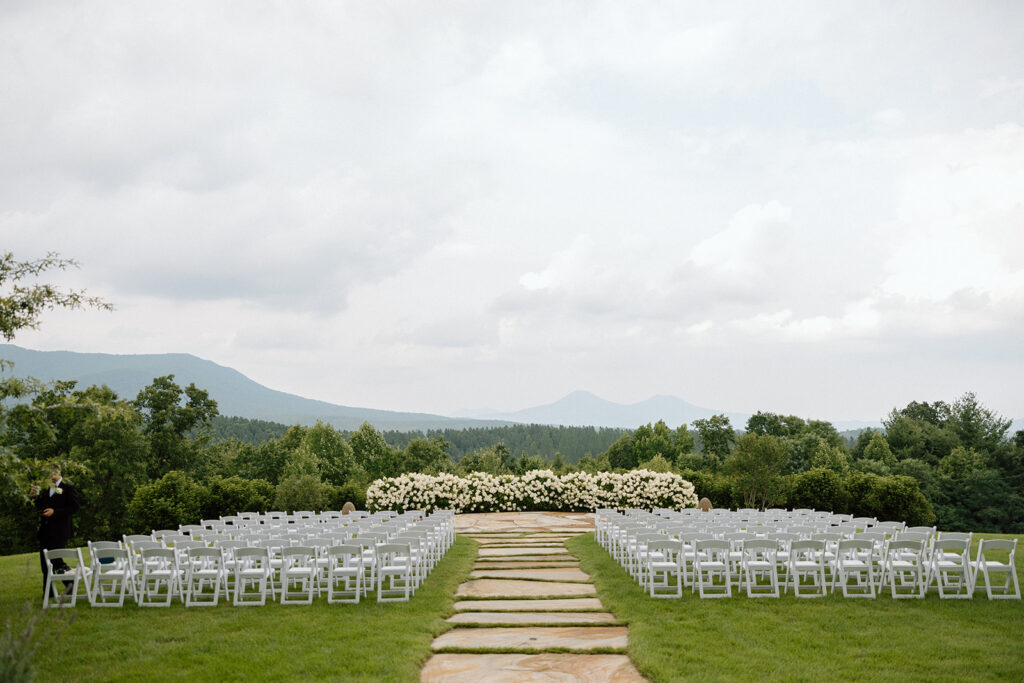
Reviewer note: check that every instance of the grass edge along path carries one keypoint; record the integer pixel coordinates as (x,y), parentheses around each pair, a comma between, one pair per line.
(364,642)
(832,638)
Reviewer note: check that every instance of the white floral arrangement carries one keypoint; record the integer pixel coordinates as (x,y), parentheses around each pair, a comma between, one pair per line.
(535,490)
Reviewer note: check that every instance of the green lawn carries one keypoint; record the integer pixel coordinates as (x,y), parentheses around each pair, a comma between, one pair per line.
(368,641)
(825,639)
(670,640)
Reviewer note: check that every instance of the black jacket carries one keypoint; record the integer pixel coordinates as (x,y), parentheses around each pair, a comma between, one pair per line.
(55,531)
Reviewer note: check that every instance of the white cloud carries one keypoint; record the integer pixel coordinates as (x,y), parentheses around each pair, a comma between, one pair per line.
(757,237)
(959,215)
(354,200)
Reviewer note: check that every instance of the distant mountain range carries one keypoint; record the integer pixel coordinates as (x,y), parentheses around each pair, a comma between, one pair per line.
(585,408)
(237,395)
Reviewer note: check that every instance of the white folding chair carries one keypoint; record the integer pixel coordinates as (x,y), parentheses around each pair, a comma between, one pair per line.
(252,576)
(989,562)
(950,568)
(394,572)
(63,588)
(665,568)
(760,567)
(807,561)
(111,576)
(855,559)
(711,568)
(160,577)
(204,569)
(298,575)
(344,573)
(905,568)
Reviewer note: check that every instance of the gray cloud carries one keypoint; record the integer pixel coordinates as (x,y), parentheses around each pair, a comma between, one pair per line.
(531,199)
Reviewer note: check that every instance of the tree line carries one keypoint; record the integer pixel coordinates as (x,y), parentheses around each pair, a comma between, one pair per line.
(537,439)
(153,462)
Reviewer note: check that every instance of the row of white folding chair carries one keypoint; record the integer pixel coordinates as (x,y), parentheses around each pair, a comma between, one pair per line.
(204,578)
(154,575)
(858,566)
(427,545)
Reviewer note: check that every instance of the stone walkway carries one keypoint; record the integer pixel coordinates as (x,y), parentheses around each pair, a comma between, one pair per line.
(526,597)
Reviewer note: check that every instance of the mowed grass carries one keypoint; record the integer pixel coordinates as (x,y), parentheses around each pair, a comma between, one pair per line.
(824,639)
(319,642)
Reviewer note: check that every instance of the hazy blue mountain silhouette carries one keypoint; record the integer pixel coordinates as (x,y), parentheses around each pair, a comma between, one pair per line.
(585,408)
(238,395)
(235,393)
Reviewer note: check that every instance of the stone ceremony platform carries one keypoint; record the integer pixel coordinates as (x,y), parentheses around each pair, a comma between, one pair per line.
(525,597)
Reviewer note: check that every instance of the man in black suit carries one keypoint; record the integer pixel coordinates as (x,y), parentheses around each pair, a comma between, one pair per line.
(55,505)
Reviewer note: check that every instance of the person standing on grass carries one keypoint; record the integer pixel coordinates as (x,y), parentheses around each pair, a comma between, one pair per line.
(55,505)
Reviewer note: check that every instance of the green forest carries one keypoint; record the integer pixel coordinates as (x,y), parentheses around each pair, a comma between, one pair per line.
(545,440)
(166,457)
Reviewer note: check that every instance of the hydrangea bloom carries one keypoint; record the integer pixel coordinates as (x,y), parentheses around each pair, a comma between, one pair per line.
(535,490)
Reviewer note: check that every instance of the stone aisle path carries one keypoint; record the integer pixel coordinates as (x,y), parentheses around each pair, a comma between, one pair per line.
(526,597)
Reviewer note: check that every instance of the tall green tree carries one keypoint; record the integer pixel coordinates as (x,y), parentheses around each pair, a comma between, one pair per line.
(621,454)
(333,454)
(373,453)
(877,449)
(169,417)
(427,455)
(493,460)
(756,465)
(775,425)
(716,435)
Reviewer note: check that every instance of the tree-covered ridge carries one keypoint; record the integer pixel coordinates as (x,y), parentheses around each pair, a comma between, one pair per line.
(544,440)
(244,429)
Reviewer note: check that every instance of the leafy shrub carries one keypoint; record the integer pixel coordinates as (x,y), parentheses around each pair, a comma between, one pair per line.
(302,492)
(166,503)
(231,495)
(818,489)
(889,498)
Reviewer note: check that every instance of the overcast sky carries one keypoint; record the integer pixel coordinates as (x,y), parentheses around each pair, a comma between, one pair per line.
(810,208)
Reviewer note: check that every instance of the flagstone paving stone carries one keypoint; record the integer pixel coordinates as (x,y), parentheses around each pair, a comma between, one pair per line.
(520,605)
(525,521)
(522,555)
(510,588)
(528,558)
(481,538)
(557,574)
(511,552)
(526,565)
(555,542)
(534,638)
(521,668)
(530,617)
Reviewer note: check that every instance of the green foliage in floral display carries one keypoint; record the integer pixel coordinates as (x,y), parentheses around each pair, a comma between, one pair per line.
(535,490)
